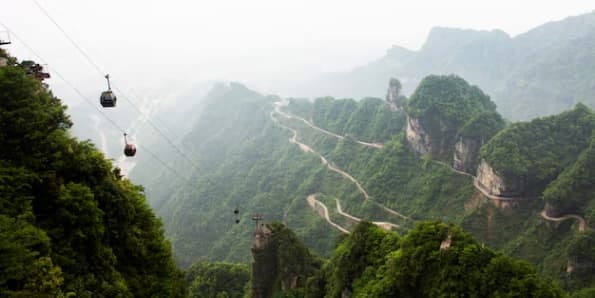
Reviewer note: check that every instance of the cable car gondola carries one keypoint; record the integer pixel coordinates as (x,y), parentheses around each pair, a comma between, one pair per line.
(129,149)
(108,98)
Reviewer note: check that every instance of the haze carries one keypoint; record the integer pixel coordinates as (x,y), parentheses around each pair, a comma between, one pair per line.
(259,43)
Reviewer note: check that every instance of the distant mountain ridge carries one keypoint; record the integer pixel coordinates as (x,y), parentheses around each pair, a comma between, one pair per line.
(541,72)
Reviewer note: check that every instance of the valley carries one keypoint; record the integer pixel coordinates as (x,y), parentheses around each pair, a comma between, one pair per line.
(464,167)
(324,212)
(307,149)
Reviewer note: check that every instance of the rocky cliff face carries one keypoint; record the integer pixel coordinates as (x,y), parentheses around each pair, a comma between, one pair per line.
(394,98)
(282,262)
(417,138)
(498,185)
(466,154)
(264,262)
(429,136)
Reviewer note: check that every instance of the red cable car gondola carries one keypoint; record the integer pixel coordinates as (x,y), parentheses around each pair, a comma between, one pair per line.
(129,149)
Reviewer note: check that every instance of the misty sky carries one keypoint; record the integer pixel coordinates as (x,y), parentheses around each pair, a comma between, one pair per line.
(258,42)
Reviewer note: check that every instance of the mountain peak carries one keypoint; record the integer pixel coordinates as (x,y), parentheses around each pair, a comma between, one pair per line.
(446,37)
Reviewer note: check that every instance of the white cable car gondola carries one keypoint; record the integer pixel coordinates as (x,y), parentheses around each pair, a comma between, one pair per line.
(108,98)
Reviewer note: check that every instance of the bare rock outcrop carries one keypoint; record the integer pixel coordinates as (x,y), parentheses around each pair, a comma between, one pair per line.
(466,154)
(496,184)
(429,136)
(394,98)
(261,237)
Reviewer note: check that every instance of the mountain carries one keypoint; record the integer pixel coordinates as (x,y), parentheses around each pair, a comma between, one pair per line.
(431,260)
(541,72)
(70,224)
(531,155)
(322,167)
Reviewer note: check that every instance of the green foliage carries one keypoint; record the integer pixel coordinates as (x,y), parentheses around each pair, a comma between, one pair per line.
(538,151)
(217,279)
(484,125)
(367,120)
(246,162)
(363,251)
(574,187)
(451,97)
(416,266)
(69,224)
(333,114)
(257,169)
(282,266)
(581,255)
(445,108)
(584,293)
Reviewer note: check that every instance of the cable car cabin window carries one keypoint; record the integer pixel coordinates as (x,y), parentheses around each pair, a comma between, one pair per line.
(107,99)
(129,150)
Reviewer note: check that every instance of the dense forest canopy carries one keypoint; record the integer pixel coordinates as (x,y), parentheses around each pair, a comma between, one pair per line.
(217,279)
(450,97)
(573,189)
(541,149)
(432,260)
(69,222)
(367,119)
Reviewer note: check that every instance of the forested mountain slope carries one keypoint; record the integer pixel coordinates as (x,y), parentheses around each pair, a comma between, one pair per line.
(246,162)
(69,223)
(541,72)
(332,161)
(432,260)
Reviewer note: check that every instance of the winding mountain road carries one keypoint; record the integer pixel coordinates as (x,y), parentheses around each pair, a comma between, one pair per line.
(340,211)
(323,211)
(582,223)
(373,145)
(476,183)
(383,224)
(307,149)
(324,161)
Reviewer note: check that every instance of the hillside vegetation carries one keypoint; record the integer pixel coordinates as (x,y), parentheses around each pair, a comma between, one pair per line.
(70,224)
(538,151)
(217,279)
(450,98)
(262,154)
(433,259)
(366,120)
